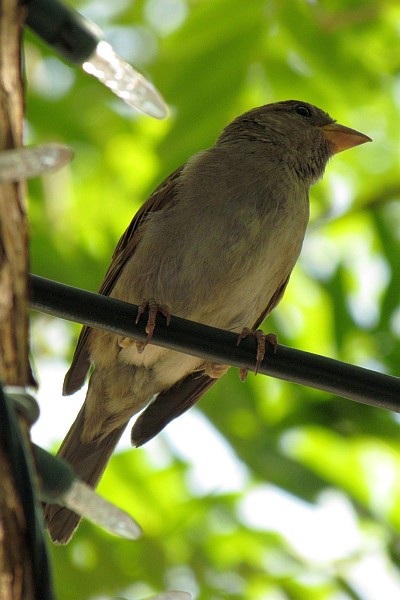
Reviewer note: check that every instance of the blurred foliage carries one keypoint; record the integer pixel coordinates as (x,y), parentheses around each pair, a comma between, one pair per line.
(213,59)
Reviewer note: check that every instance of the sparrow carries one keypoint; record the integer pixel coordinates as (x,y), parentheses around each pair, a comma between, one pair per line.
(215,243)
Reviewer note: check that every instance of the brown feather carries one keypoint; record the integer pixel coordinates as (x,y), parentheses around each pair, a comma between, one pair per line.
(88,462)
(169,405)
(276,298)
(161,197)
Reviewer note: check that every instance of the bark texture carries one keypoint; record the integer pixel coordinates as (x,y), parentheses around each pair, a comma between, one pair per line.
(15,563)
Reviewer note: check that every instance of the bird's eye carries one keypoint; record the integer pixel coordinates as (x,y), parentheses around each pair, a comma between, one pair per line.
(303,111)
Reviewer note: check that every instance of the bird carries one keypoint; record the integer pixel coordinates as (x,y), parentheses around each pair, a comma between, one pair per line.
(215,243)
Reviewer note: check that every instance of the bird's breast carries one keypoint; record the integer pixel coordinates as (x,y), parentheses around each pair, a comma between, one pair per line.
(221,251)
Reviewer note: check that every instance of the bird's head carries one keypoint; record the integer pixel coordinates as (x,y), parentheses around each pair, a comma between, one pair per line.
(297,134)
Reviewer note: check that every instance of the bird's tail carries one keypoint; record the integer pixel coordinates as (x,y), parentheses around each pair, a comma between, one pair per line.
(88,461)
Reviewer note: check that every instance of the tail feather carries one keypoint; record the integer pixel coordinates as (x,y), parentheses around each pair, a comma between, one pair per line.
(88,462)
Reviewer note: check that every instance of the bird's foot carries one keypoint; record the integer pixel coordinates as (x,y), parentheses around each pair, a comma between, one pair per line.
(261,338)
(153,309)
(215,370)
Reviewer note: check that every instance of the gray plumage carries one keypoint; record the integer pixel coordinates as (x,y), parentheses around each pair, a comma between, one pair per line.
(215,243)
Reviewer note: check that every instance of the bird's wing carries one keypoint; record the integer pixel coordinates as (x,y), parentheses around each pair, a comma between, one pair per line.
(163,196)
(276,298)
(169,405)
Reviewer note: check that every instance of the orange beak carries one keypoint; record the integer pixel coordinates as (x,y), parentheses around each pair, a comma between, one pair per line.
(341,137)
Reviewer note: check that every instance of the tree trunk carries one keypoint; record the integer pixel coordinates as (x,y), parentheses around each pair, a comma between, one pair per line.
(15,563)
(14,364)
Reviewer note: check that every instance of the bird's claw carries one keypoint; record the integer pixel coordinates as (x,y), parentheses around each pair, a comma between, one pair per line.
(153,309)
(261,338)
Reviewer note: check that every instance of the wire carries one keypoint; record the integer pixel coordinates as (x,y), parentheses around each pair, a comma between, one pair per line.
(333,376)
(23,473)
(63,28)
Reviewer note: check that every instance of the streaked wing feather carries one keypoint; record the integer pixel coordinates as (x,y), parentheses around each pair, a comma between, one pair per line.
(169,405)
(161,197)
(276,298)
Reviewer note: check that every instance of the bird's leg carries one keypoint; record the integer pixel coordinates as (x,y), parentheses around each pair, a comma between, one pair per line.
(215,370)
(153,308)
(261,338)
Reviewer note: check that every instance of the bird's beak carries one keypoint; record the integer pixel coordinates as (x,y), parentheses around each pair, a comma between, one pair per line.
(341,137)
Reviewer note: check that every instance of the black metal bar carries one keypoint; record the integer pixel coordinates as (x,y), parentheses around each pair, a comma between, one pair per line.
(351,382)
